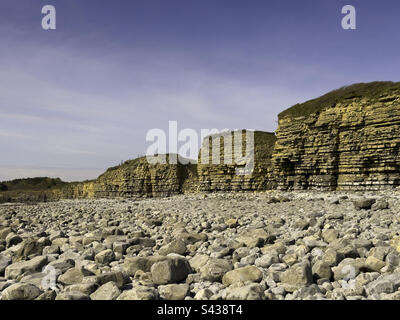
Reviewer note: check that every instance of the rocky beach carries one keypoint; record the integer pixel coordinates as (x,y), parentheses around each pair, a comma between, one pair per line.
(316,218)
(268,245)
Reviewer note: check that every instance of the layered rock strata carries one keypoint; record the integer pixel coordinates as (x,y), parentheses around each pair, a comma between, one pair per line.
(347,139)
(225,157)
(135,178)
(141,178)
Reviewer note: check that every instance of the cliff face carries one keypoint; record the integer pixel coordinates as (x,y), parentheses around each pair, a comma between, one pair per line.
(135,178)
(222,175)
(348,139)
(74,190)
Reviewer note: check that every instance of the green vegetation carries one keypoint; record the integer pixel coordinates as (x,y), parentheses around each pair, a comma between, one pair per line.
(31,184)
(133,164)
(29,189)
(374,90)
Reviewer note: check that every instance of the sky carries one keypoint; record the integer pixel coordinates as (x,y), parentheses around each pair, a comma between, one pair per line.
(79,99)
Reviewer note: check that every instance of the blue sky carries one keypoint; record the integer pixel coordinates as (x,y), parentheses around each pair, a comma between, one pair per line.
(81,98)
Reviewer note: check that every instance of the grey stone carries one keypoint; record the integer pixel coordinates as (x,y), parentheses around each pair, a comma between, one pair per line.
(173,291)
(108,291)
(139,293)
(198,261)
(85,288)
(171,270)
(329,235)
(255,238)
(72,295)
(4,232)
(381,204)
(120,278)
(297,275)
(20,291)
(249,292)
(4,262)
(177,246)
(62,265)
(393,259)
(384,284)
(133,264)
(191,238)
(29,247)
(15,270)
(363,203)
(215,269)
(105,256)
(74,276)
(267,260)
(374,264)
(321,270)
(12,239)
(48,295)
(203,294)
(249,273)
(348,269)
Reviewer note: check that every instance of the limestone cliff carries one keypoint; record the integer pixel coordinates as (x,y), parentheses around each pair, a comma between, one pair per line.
(74,190)
(347,139)
(140,178)
(222,175)
(135,178)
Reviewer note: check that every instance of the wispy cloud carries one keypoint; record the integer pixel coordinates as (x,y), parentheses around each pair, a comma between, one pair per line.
(62,107)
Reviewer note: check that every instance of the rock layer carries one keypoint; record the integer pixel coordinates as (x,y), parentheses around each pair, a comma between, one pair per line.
(350,140)
(223,155)
(140,178)
(135,178)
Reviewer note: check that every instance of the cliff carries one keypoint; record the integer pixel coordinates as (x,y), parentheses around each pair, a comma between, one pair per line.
(346,139)
(222,175)
(140,178)
(73,190)
(134,178)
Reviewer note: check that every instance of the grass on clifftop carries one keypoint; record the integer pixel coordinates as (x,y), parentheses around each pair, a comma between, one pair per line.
(31,184)
(370,90)
(29,189)
(133,163)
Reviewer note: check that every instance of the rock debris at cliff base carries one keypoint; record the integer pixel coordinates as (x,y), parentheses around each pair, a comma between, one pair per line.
(269,245)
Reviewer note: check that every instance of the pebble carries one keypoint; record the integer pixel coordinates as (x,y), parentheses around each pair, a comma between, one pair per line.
(247,246)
